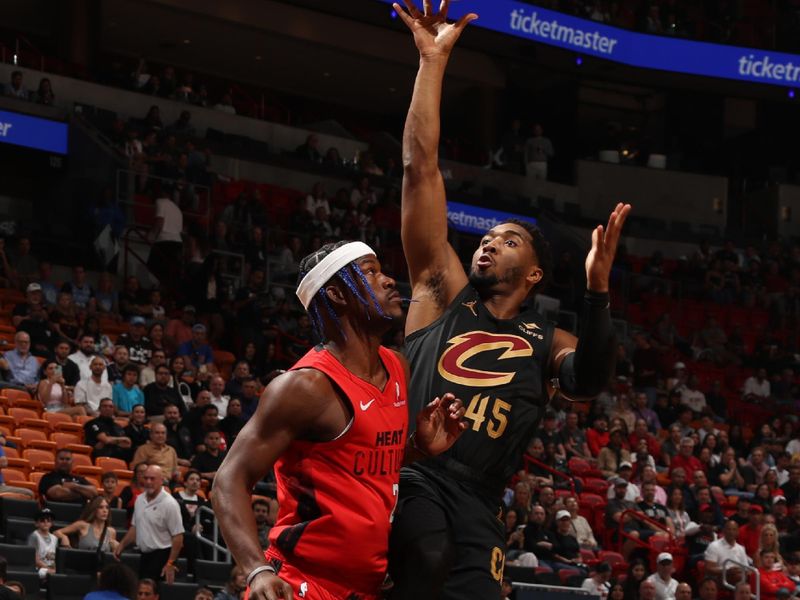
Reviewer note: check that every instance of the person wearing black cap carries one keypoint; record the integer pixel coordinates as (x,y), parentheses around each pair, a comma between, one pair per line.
(138,344)
(45,543)
(597,583)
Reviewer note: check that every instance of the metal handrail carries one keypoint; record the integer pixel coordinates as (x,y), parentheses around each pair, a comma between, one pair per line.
(640,516)
(528,459)
(217,548)
(730,586)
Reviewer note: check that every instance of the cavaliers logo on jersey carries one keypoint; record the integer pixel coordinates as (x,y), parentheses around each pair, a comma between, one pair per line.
(465,346)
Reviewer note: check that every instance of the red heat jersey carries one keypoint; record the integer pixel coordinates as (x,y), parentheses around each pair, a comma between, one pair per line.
(337,498)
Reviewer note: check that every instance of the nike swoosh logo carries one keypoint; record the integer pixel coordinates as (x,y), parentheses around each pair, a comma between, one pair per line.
(366,405)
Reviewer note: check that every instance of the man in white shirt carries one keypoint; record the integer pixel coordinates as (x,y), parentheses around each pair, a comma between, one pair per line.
(756,387)
(148,373)
(84,355)
(597,584)
(666,586)
(165,254)
(89,391)
(725,548)
(157,529)
(218,399)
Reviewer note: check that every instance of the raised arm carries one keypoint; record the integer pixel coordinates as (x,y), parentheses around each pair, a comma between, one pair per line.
(292,406)
(434,268)
(583,366)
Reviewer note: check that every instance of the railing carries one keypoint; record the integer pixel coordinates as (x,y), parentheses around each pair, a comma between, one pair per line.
(640,516)
(134,235)
(216,548)
(738,565)
(529,460)
(136,192)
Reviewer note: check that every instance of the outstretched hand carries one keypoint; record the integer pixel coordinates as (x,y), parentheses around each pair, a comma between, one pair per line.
(604,247)
(439,424)
(433,35)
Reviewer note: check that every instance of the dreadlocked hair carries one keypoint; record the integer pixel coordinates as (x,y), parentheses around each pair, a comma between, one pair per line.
(541,247)
(349,275)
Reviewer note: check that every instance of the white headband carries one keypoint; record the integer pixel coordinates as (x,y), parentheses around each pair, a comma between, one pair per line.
(327,268)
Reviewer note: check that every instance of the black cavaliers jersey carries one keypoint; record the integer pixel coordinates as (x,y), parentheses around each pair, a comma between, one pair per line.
(496,367)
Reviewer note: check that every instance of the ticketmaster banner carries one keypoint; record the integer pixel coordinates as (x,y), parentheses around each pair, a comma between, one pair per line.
(588,37)
(33,132)
(476,219)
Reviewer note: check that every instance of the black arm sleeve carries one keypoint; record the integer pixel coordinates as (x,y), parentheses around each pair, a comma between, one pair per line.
(585,372)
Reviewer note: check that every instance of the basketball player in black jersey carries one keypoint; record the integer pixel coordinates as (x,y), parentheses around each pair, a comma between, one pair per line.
(473,335)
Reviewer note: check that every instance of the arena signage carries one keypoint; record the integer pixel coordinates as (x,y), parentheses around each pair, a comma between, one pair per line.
(33,132)
(476,219)
(642,50)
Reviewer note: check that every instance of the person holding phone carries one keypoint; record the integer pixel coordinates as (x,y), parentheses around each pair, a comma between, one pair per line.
(53,392)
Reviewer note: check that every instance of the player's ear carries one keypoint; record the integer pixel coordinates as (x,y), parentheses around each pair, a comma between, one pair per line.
(335,295)
(535,275)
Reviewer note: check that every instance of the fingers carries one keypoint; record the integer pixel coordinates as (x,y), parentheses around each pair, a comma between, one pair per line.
(444,6)
(412,9)
(615,224)
(465,20)
(288,594)
(427,7)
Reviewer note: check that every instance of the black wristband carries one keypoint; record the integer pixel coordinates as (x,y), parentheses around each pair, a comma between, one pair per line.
(597,299)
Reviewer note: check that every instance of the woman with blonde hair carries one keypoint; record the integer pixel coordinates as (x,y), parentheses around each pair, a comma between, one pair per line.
(93,526)
(234,589)
(768,541)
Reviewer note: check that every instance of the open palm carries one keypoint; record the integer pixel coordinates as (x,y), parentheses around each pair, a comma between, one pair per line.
(433,35)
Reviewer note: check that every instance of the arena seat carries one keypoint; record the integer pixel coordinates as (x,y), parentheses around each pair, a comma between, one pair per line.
(106,463)
(69,587)
(40,460)
(178,591)
(35,438)
(18,556)
(63,438)
(208,572)
(29,579)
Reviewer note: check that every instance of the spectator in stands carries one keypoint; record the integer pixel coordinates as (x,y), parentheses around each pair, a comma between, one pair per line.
(16,88)
(209,460)
(665,584)
(22,366)
(573,438)
(106,295)
(157,529)
(598,435)
(137,430)
(34,299)
(538,152)
(676,510)
(180,330)
(159,394)
(131,491)
(148,590)
(727,474)
(235,586)
(104,435)
(190,498)
(156,452)
(288,262)
(53,392)
(81,358)
(82,292)
(66,368)
(115,582)
(109,483)
(216,387)
(93,528)
(148,374)
(183,125)
(249,397)
(566,550)
(198,353)
(692,397)
(537,537)
(597,583)
(264,512)
(791,489)
(131,302)
(637,572)
(25,265)
(653,509)
(648,415)
(16,589)
(773,578)
(89,391)
(758,464)
(309,150)
(580,526)
(750,532)
(225,104)
(62,486)
(233,422)
(725,548)
(165,254)
(757,387)
(614,454)
(709,590)
(685,459)
(126,394)
(178,436)
(45,544)
(683,591)
(65,317)
(137,343)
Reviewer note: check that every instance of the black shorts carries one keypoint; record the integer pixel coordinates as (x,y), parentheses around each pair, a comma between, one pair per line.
(474,526)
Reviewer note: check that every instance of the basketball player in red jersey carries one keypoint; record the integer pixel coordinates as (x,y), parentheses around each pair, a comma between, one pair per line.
(478,336)
(335,429)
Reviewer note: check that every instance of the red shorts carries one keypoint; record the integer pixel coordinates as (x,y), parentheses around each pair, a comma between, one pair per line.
(305,587)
